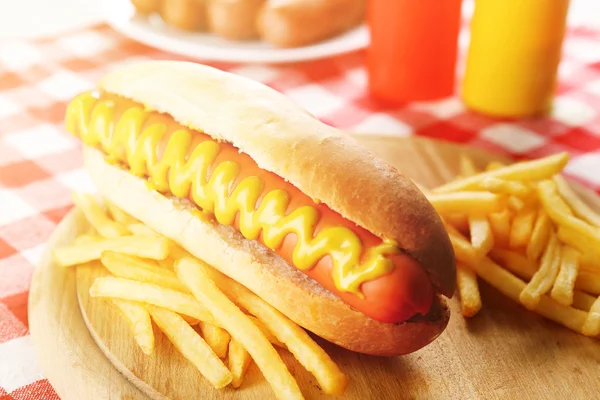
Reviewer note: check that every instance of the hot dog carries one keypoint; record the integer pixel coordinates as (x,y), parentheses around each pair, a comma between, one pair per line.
(295,210)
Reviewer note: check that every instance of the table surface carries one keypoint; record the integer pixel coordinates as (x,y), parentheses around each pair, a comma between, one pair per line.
(40,164)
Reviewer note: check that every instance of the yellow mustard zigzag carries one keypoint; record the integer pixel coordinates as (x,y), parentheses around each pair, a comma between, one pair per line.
(130,141)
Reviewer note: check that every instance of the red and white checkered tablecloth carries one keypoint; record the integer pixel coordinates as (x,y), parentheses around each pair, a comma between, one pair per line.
(40,163)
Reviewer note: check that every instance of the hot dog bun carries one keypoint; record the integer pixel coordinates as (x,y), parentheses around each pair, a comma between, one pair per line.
(283,286)
(320,161)
(292,23)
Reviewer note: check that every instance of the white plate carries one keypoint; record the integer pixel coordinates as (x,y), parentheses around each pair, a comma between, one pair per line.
(153,32)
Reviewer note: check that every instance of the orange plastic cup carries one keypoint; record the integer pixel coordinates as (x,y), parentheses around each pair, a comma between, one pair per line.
(413,48)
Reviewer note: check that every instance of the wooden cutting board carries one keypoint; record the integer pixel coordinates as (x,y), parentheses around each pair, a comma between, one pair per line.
(503,352)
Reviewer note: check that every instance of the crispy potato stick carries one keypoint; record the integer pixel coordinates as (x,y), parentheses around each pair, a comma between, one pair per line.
(516,204)
(190,320)
(588,282)
(138,318)
(481,234)
(152,294)
(124,266)
(534,170)
(268,334)
(494,165)
(582,300)
(511,286)
(97,217)
(544,278)
(579,207)
(496,185)
(238,361)
(119,215)
(525,268)
(562,291)
(515,262)
(239,327)
(539,235)
(331,379)
(145,247)
(84,239)
(217,338)
(592,323)
(582,243)
(191,345)
(468,289)
(467,166)
(141,229)
(561,214)
(500,224)
(459,221)
(471,202)
(522,228)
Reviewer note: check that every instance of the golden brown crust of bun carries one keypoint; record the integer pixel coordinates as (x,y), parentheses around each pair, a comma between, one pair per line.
(293,23)
(323,162)
(261,270)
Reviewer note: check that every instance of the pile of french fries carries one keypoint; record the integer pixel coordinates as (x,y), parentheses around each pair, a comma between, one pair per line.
(220,326)
(522,229)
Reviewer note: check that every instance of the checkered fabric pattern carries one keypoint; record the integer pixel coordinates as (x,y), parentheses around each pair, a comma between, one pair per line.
(40,163)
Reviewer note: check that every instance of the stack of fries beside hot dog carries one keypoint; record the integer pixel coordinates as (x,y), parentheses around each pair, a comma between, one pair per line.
(523,229)
(195,306)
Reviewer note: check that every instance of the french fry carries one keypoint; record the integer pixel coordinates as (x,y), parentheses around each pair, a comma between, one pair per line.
(525,268)
(128,267)
(138,318)
(582,243)
(169,299)
(500,224)
(238,361)
(481,234)
(141,229)
(588,282)
(511,286)
(544,278)
(493,165)
(86,238)
(473,202)
(582,300)
(467,166)
(522,228)
(579,207)
(516,263)
(217,338)
(192,346)
(516,204)
(459,221)
(534,170)
(592,323)
(97,216)
(539,235)
(145,247)
(239,327)
(119,215)
(513,188)
(268,334)
(331,379)
(561,214)
(468,289)
(563,288)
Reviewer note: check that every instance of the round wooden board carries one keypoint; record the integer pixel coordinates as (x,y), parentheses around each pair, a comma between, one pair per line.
(503,352)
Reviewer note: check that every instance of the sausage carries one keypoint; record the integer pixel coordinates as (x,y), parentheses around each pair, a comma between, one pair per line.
(293,23)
